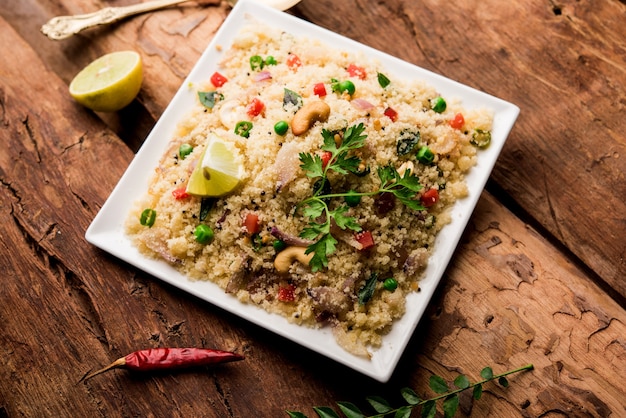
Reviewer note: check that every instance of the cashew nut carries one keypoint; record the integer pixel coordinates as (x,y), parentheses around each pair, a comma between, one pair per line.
(288,256)
(307,115)
(407,165)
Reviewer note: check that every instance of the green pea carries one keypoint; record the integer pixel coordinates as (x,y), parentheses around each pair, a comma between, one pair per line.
(147,218)
(204,234)
(279,245)
(281,127)
(352,198)
(184,150)
(425,155)
(390,284)
(270,60)
(439,104)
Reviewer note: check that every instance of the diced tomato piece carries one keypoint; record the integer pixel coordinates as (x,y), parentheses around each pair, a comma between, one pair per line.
(319,89)
(287,293)
(458,121)
(293,61)
(364,238)
(429,197)
(251,223)
(180,193)
(255,107)
(391,114)
(356,71)
(218,80)
(326,156)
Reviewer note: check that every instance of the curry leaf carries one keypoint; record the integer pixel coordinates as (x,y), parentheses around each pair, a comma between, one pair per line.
(450,405)
(438,385)
(379,404)
(350,410)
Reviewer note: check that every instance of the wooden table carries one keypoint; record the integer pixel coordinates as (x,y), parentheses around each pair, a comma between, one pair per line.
(537,278)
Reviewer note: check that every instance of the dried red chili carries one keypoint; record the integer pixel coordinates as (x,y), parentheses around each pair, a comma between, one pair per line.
(169,359)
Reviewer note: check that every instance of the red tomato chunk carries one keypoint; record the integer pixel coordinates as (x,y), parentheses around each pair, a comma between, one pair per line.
(430,197)
(326,156)
(364,238)
(391,114)
(180,193)
(356,71)
(218,80)
(319,89)
(251,223)
(458,121)
(287,293)
(255,107)
(293,61)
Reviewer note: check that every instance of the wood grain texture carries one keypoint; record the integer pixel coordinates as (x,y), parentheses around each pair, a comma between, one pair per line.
(510,297)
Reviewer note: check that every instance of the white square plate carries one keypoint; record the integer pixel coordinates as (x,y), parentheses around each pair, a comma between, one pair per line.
(107,231)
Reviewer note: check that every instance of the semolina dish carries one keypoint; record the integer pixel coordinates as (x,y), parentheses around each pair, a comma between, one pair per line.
(310,182)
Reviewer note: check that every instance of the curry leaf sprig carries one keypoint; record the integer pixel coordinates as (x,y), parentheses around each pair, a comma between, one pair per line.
(448,396)
(340,160)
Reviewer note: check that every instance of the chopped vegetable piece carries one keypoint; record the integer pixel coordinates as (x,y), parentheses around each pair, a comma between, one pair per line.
(281,127)
(180,193)
(290,97)
(287,293)
(481,138)
(279,245)
(429,197)
(256,62)
(206,204)
(147,218)
(425,155)
(326,157)
(209,98)
(364,238)
(345,85)
(390,284)
(319,89)
(204,234)
(407,142)
(255,107)
(169,359)
(438,104)
(384,203)
(243,128)
(218,80)
(356,71)
(352,198)
(458,121)
(270,60)
(367,291)
(184,150)
(391,114)
(383,80)
(251,223)
(293,61)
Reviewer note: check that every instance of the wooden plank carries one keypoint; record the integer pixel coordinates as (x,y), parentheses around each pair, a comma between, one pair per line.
(509,298)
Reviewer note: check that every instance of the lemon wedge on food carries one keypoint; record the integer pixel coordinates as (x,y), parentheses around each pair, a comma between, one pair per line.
(109,83)
(219,170)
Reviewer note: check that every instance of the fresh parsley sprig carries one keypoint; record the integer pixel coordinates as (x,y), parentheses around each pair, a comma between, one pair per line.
(341,161)
(448,396)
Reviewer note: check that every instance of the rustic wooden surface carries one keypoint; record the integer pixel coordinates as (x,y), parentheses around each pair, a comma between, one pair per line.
(538,277)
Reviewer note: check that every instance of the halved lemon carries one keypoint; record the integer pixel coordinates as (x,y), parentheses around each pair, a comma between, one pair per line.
(219,170)
(109,83)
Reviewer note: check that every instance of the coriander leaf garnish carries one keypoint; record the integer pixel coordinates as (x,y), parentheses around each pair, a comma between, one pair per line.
(341,161)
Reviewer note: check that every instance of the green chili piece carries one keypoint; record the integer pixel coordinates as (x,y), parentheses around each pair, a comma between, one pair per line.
(256,62)
(425,155)
(281,127)
(147,218)
(279,245)
(243,128)
(203,233)
(438,104)
(184,150)
(481,138)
